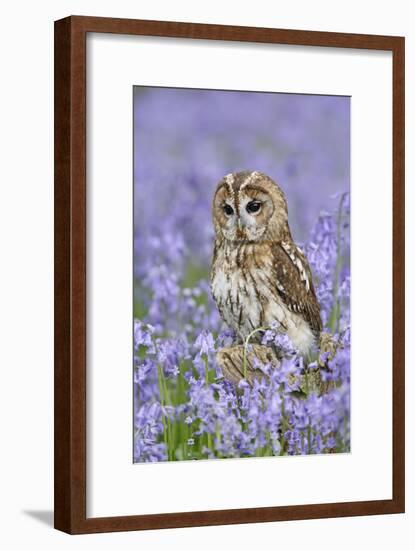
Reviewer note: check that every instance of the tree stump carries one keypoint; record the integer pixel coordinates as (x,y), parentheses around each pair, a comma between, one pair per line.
(231,361)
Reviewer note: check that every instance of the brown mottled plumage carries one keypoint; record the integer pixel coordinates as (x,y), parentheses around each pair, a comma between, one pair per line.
(259,276)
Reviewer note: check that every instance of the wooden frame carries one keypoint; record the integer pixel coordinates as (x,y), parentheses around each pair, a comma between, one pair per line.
(70,274)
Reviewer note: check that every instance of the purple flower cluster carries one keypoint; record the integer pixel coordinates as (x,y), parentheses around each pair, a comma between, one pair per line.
(185,141)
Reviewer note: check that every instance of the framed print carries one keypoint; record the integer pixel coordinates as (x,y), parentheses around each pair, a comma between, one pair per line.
(229,274)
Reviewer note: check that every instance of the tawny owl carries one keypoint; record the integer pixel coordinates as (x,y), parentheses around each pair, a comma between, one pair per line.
(259,276)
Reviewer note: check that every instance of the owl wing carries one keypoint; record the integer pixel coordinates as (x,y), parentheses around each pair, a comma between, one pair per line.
(295,284)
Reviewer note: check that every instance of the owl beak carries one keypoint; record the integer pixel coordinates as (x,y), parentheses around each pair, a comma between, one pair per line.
(240,230)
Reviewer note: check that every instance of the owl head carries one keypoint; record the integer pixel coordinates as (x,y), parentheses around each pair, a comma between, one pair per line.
(249,206)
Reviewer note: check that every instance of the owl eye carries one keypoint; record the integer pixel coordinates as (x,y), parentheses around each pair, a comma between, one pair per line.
(228,210)
(253,206)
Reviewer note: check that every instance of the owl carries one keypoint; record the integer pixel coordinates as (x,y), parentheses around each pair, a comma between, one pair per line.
(259,277)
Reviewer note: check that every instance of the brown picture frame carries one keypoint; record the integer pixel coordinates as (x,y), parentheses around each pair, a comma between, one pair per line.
(70,274)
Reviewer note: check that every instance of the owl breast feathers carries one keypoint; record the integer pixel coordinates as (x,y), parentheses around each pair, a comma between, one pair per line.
(259,276)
